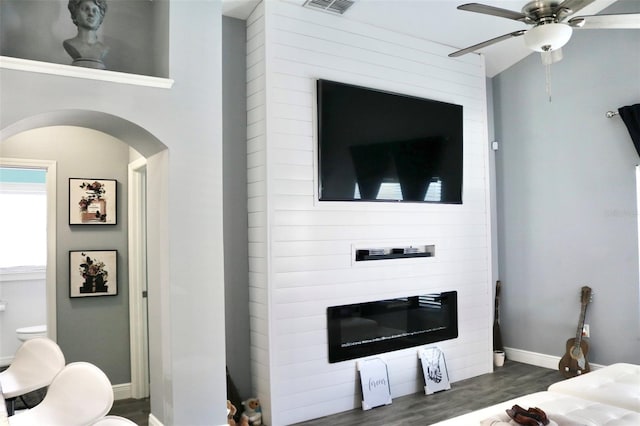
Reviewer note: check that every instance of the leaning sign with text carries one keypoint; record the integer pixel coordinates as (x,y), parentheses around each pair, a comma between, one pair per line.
(374,379)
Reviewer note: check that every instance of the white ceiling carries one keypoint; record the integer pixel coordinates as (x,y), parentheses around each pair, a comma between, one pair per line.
(439,21)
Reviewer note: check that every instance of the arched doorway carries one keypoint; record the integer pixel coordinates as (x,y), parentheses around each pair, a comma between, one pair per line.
(153,151)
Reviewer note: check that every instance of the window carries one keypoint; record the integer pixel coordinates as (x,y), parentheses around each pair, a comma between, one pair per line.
(392,191)
(23,220)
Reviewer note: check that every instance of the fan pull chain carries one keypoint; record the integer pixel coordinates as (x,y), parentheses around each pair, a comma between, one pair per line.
(547,76)
(548,57)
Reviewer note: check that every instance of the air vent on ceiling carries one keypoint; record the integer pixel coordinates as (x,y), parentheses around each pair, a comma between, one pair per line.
(335,6)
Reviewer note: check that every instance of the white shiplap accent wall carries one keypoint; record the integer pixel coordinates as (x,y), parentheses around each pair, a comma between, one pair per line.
(301,250)
(259,297)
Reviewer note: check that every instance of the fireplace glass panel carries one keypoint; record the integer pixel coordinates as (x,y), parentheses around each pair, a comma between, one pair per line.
(370,328)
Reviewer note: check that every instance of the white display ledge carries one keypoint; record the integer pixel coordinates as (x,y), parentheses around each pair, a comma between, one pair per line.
(79,72)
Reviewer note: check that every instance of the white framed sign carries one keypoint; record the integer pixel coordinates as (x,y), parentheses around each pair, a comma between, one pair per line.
(374,379)
(434,367)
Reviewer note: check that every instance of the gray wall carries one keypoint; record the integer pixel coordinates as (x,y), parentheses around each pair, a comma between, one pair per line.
(179,130)
(567,197)
(92,329)
(234,153)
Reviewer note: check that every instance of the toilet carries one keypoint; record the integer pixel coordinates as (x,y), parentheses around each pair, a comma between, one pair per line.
(26,333)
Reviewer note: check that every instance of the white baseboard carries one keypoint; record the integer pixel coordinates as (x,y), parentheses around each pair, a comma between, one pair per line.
(153,421)
(538,359)
(122,391)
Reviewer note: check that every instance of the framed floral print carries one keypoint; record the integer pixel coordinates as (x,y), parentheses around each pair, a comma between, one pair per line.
(92,201)
(93,273)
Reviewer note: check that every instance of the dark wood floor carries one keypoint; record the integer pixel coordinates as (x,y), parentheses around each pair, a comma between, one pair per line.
(512,380)
(136,410)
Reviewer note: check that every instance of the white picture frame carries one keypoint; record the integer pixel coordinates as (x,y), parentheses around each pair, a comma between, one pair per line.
(93,273)
(92,201)
(434,368)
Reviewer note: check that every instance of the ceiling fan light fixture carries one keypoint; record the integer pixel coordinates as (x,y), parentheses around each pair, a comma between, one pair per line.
(547,37)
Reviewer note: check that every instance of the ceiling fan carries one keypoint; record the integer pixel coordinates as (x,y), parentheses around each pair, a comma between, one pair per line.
(551,25)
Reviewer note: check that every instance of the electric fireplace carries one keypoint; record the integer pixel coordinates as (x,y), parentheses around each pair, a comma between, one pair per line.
(370,328)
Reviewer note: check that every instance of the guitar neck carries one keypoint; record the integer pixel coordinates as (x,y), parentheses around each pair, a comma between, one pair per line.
(583,313)
(586,295)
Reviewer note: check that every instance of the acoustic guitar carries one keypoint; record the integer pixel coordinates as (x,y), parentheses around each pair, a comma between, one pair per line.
(574,362)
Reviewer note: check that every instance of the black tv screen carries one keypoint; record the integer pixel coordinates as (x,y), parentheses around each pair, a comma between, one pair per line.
(382,146)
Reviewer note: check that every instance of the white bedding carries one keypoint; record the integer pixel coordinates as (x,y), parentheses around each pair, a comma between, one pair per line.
(567,409)
(606,397)
(616,384)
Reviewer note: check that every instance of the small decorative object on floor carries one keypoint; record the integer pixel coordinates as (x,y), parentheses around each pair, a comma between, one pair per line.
(231,411)
(498,358)
(374,379)
(252,412)
(85,48)
(434,367)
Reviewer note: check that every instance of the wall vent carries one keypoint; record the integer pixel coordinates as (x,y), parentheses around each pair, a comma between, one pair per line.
(335,6)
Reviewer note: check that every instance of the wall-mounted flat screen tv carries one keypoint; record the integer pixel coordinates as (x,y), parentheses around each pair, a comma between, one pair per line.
(380,146)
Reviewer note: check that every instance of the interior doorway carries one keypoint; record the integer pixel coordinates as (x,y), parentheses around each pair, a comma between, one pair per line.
(43,268)
(104,126)
(136,215)
(138,309)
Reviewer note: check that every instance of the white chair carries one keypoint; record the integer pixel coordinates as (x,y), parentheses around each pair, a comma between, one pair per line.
(113,421)
(78,396)
(35,364)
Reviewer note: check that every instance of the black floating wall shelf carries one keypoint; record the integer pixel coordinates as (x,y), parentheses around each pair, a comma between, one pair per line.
(395,252)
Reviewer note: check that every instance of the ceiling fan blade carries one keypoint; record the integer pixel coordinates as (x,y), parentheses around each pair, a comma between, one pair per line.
(569,7)
(494,11)
(486,43)
(622,21)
